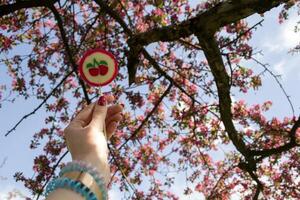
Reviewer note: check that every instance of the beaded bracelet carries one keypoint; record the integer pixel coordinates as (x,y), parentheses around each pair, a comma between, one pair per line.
(86,167)
(76,186)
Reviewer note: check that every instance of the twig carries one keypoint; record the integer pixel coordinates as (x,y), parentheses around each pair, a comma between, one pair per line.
(242,34)
(3,162)
(40,105)
(148,116)
(212,193)
(52,172)
(278,82)
(122,172)
(127,15)
(291,144)
(184,42)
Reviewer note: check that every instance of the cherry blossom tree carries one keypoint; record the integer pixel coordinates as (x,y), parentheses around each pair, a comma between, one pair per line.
(179,105)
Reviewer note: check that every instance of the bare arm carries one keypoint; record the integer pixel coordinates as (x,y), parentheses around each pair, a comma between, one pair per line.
(87,142)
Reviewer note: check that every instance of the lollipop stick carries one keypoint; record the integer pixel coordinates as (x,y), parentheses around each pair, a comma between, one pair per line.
(104,127)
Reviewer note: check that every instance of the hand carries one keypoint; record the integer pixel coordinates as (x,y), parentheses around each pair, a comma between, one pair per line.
(85,136)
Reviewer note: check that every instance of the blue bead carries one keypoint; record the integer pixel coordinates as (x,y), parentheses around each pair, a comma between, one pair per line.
(72,183)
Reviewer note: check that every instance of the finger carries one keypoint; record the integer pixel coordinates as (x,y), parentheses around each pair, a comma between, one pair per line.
(114,109)
(99,114)
(84,117)
(116,117)
(111,128)
(109,98)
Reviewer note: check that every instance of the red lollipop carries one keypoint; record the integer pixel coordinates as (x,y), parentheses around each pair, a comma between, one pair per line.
(98,67)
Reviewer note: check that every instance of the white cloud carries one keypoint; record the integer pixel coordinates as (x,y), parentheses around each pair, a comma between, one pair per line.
(280,37)
(272,47)
(12,192)
(114,195)
(288,36)
(279,68)
(288,67)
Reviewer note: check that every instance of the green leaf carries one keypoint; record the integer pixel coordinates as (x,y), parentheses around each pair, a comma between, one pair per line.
(103,62)
(89,65)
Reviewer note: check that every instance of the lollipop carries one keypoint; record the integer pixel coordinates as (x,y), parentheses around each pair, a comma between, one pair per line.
(98,67)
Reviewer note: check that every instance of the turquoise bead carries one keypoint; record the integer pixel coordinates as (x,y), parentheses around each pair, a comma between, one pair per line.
(70,184)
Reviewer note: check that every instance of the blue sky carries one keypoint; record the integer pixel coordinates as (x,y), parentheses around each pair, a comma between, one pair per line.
(273,39)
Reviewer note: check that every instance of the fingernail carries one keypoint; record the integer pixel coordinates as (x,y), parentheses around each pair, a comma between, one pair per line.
(122,104)
(102,101)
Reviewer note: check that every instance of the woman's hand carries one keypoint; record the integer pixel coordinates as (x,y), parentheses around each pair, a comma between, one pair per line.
(85,135)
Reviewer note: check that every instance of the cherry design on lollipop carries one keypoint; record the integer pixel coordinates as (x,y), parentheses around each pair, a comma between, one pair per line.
(98,68)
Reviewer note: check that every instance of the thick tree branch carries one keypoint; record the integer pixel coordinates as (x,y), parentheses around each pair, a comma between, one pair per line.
(209,21)
(10,8)
(214,58)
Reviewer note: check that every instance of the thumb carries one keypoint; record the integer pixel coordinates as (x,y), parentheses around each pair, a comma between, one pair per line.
(99,114)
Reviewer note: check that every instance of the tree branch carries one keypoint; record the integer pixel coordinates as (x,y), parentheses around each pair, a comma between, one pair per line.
(136,131)
(109,10)
(213,194)
(40,105)
(278,82)
(52,172)
(242,34)
(68,49)
(10,8)
(209,21)
(214,58)
(122,172)
(291,144)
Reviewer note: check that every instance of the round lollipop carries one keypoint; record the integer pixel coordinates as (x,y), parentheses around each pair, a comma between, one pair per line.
(98,67)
